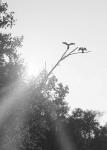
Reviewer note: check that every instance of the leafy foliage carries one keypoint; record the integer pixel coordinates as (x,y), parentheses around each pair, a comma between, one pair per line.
(10,62)
(46,107)
(6,18)
(85,128)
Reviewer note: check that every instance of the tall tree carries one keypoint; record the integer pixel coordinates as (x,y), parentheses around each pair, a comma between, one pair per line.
(46,108)
(83,126)
(11,68)
(10,62)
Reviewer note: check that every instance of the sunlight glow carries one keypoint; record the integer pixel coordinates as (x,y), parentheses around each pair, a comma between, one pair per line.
(32,70)
(33,57)
(32,65)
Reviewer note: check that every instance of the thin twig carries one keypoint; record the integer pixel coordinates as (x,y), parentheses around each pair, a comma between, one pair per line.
(75,53)
(56,64)
(70,53)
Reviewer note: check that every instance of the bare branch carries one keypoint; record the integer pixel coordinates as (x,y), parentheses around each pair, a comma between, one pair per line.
(56,64)
(75,53)
(81,52)
(65,55)
(69,53)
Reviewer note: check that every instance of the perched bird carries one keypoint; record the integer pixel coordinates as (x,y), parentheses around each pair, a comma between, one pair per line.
(68,45)
(82,49)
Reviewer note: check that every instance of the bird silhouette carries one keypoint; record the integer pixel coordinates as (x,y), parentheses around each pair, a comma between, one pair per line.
(68,45)
(82,49)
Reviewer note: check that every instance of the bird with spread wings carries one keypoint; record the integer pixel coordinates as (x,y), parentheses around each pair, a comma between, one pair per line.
(68,44)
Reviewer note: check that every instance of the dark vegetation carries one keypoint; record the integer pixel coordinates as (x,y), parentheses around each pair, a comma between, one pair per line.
(40,118)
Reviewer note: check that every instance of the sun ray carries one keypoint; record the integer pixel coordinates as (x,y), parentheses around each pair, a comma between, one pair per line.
(32,64)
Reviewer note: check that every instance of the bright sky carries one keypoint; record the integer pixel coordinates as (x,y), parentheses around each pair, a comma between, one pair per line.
(46,24)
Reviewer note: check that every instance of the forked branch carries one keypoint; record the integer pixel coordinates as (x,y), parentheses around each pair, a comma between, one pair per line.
(68,52)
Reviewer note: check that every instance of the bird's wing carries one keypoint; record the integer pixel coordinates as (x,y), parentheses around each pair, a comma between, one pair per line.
(80,49)
(65,43)
(71,43)
(85,49)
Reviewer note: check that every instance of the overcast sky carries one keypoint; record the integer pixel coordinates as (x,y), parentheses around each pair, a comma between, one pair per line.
(45,24)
